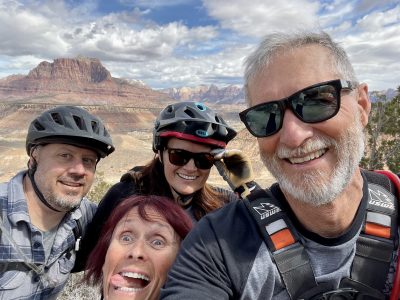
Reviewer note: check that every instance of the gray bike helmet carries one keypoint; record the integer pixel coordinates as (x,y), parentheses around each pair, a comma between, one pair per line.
(70,125)
(192,121)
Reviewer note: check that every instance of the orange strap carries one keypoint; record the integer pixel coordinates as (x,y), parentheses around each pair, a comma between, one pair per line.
(377,230)
(282,238)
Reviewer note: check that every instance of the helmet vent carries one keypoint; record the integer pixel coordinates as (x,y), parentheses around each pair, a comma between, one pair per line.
(79,123)
(57,118)
(105,132)
(189,113)
(38,126)
(201,106)
(217,119)
(95,127)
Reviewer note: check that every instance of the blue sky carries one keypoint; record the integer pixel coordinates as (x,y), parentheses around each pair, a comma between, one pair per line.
(175,43)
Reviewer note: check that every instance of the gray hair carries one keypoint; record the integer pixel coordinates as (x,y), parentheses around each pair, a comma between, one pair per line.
(277,42)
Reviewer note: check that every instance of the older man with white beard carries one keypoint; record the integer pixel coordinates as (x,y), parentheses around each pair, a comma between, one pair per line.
(326,228)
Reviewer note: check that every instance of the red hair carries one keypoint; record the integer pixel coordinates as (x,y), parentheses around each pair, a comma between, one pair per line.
(172,212)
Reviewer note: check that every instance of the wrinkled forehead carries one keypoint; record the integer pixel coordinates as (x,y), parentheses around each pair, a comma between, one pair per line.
(151,218)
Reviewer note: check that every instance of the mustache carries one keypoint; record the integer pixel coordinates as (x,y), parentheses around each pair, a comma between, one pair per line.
(73,179)
(309,146)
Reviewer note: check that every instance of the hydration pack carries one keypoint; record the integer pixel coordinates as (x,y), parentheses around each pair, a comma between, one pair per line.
(374,247)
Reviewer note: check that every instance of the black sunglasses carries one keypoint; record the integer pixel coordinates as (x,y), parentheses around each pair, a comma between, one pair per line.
(313,104)
(179,157)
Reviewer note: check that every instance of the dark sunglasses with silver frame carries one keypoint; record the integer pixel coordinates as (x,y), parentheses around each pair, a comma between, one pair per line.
(180,157)
(313,104)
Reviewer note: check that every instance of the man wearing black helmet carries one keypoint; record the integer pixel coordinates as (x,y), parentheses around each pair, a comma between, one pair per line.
(43,209)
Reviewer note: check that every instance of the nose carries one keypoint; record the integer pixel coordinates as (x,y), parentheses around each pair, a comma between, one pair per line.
(190,165)
(77,167)
(294,131)
(137,251)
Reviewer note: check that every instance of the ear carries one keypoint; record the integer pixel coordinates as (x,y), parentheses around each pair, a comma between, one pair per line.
(34,152)
(364,104)
(33,157)
(159,154)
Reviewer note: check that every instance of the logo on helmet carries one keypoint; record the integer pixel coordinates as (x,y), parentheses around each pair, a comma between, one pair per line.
(201,132)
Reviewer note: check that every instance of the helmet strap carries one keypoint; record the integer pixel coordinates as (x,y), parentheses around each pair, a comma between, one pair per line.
(182,200)
(31,172)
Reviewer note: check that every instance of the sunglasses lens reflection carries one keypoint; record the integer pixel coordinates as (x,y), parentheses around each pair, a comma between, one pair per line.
(311,105)
(180,157)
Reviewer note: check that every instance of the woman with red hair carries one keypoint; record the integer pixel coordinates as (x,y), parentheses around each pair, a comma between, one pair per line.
(137,246)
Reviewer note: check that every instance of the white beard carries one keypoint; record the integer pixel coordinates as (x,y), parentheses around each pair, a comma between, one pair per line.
(318,187)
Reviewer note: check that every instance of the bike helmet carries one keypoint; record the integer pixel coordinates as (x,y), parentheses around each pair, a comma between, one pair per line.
(192,121)
(70,125)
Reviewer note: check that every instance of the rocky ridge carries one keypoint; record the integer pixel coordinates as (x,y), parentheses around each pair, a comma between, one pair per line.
(231,94)
(75,81)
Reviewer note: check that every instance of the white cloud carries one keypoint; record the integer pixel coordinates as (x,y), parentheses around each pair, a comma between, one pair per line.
(155,3)
(174,54)
(259,17)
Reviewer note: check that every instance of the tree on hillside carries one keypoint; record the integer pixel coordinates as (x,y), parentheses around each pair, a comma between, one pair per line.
(384,134)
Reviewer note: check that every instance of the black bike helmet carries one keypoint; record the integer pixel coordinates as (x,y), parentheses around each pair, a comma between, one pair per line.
(70,125)
(192,121)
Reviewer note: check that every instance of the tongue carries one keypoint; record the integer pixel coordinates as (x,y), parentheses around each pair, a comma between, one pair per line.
(118,280)
(121,281)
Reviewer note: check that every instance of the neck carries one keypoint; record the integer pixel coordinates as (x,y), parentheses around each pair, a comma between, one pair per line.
(182,200)
(41,216)
(332,219)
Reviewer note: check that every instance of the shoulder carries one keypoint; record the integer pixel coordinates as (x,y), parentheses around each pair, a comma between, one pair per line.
(230,225)
(382,182)
(3,189)
(116,194)
(87,210)
(12,191)
(228,194)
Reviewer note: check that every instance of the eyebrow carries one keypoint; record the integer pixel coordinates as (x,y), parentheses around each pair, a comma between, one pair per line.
(156,224)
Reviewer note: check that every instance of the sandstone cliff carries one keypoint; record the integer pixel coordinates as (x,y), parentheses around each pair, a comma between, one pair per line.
(76,81)
(231,94)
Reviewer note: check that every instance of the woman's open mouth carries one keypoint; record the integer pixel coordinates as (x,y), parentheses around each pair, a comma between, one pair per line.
(129,281)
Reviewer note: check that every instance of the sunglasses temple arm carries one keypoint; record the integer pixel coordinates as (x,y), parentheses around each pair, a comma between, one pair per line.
(224,173)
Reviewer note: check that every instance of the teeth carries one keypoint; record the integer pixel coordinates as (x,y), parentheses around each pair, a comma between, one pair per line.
(187,177)
(135,275)
(128,289)
(72,184)
(311,156)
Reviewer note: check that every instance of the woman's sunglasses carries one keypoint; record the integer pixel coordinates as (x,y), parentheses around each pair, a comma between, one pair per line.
(313,104)
(179,157)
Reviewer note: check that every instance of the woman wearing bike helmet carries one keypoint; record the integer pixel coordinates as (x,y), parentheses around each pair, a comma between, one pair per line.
(186,138)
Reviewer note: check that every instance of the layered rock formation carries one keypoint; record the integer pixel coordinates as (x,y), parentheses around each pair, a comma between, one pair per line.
(75,81)
(231,94)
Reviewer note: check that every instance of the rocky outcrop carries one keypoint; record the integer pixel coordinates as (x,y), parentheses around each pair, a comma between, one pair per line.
(81,69)
(78,80)
(208,93)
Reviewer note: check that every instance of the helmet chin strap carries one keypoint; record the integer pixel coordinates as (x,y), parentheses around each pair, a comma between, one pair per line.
(31,172)
(182,200)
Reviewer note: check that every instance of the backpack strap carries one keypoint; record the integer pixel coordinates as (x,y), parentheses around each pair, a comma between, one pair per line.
(374,247)
(378,238)
(395,294)
(77,234)
(283,242)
